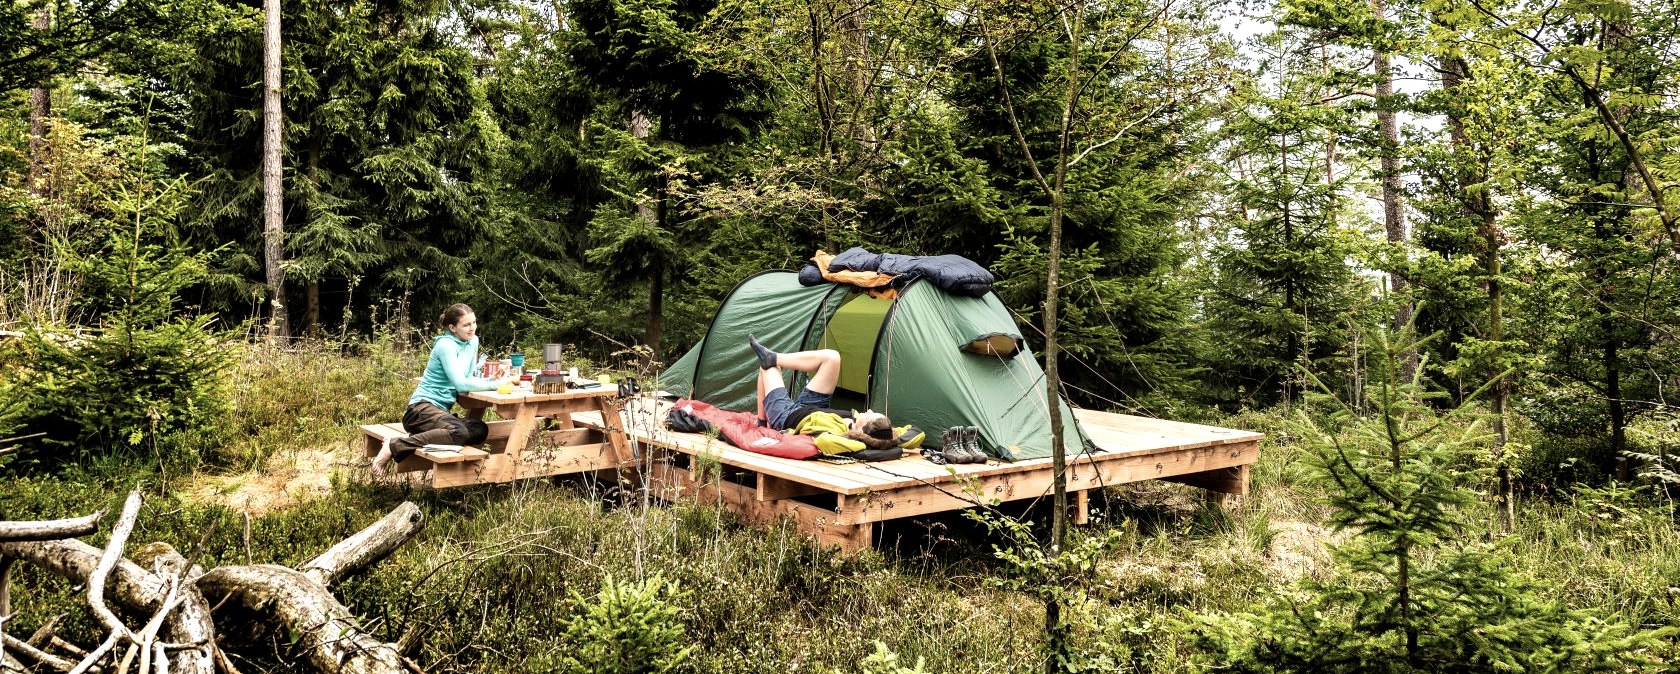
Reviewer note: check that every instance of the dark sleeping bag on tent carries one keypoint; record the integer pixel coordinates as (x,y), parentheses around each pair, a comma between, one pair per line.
(954,274)
(742,430)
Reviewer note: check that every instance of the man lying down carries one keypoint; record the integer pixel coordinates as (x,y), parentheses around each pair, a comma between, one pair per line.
(811,428)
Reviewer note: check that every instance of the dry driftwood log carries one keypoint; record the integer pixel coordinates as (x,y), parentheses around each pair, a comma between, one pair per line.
(50,530)
(178,635)
(190,624)
(327,632)
(134,588)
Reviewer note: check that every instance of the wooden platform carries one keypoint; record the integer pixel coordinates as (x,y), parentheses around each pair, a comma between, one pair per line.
(839,504)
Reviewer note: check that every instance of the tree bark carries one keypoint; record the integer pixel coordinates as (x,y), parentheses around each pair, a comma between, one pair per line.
(1394,215)
(274,234)
(40,110)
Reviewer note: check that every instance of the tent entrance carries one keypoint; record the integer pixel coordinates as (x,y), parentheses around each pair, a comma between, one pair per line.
(852,331)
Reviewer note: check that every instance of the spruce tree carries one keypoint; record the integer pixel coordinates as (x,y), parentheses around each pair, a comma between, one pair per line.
(1282,293)
(1415,588)
(674,121)
(386,143)
(149,380)
(1135,144)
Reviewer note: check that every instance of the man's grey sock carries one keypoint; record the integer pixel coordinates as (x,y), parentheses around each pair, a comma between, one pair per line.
(766,357)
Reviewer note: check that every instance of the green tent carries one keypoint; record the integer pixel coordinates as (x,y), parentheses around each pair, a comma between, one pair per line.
(928,358)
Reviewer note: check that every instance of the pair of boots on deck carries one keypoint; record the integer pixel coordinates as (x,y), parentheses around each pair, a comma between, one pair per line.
(961,445)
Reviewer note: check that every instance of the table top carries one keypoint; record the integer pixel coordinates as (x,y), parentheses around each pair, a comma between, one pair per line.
(520,395)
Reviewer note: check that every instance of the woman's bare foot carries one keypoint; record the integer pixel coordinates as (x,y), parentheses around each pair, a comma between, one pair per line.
(382,459)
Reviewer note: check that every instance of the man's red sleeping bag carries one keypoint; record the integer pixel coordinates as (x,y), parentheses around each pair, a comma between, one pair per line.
(742,430)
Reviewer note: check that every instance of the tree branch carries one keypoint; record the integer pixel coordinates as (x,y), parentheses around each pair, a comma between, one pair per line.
(1117,134)
(1009,106)
(40,657)
(113,553)
(367,546)
(50,530)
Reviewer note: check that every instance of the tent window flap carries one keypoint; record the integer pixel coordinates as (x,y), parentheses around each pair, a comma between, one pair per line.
(998,344)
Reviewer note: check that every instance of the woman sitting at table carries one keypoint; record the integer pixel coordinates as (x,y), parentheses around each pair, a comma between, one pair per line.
(448,371)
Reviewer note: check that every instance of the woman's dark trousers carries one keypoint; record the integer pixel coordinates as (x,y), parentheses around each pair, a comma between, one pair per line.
(427,424)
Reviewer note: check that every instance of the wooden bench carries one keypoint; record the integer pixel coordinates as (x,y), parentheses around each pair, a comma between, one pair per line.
(374,435)
(546,451)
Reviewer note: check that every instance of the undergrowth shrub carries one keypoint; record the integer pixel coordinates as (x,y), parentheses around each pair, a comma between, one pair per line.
(884,661)
(629,627)
(314,393)
(1415,590)
(149,379)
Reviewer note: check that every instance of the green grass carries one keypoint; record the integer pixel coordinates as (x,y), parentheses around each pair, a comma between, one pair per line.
(489,576)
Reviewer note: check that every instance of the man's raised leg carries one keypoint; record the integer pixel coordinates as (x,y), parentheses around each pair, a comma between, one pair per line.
(823,365)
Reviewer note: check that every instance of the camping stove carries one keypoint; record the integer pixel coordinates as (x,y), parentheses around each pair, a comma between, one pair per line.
(552,379)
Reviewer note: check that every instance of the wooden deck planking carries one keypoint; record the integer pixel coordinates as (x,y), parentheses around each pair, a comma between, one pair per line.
(1132,449)
(807,472)
(1118,435)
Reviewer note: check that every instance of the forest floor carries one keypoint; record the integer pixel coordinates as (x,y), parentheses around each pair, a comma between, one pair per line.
(286,479)
(499,573)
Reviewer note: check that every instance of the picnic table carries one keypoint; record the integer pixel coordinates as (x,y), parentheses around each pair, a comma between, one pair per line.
(534,435)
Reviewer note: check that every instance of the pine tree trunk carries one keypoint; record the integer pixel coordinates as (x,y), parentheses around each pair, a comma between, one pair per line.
(1394,216)
(1473,170)
(1402,538)
(655,331)
(641,126)
(855,37)
(273,227)
(40,109)
(1617,36)
(1292,342)
(311,307)
(1610,355)
(312,287)
(1612,377)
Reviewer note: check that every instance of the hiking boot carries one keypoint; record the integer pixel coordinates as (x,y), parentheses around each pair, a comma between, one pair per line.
(943,454)
(956,446)
(971,442)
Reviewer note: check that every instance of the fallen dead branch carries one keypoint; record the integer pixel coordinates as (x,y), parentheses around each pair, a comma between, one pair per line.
(169,601)
(50,530)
